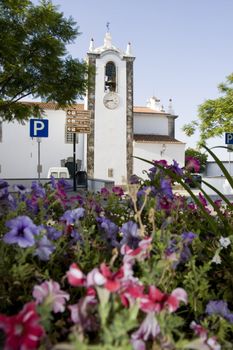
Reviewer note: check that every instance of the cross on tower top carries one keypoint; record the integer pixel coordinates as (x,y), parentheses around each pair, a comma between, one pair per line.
(107,26)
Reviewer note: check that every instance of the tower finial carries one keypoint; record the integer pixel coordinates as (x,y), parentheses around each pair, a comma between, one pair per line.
(108,26)
(91,46)
(170,109)
(129,49)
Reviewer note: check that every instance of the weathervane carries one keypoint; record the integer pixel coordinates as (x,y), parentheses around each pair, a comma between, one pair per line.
(107,25)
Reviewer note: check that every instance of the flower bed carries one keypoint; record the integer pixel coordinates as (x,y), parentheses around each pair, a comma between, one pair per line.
(146,270)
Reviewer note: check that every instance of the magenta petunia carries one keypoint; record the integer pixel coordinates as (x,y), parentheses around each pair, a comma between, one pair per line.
(23,331)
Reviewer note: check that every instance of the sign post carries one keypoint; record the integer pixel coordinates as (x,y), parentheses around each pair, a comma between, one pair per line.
(38,165)
(77,121)
(74,162)
(39,128)
(229,143)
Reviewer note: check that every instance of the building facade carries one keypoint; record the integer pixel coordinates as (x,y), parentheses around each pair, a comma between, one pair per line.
(118,129)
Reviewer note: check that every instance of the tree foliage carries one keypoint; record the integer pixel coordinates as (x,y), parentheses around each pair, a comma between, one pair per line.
(34,60)
(215,116)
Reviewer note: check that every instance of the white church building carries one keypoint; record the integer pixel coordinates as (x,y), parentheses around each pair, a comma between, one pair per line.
(119,130)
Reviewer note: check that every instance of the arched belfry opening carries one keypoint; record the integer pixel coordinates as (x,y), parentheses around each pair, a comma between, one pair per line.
(110,77)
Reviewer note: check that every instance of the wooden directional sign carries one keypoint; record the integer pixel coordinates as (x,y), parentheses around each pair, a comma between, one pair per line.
(78,129)
(78,121)
(78,113)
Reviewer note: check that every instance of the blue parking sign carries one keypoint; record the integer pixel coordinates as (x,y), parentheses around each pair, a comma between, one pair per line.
(229,138)
(39,128)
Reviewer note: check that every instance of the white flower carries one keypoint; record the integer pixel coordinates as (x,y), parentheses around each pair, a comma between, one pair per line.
(224,241)
(216,259)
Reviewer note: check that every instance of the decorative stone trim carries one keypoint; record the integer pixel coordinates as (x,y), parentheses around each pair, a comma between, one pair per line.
(91,108)
(129,115)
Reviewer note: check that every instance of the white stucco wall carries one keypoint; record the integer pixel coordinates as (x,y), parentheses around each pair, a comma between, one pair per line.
(152,151)
(19,152)
(212,168)
(218,182)
(110,125)
(157,124)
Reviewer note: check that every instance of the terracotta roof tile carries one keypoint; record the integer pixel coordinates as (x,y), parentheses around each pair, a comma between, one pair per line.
(155,138)
(137,109)
(54,106)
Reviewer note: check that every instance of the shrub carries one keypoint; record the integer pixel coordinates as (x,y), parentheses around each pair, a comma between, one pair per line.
(144,269)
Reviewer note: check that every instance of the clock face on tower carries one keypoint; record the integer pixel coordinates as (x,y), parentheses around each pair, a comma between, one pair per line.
(111,100)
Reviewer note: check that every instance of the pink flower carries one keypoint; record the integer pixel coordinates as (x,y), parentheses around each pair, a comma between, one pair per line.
(113,282)
(149,329)
(23,331)
(104,192)
(130,291)
(49,293)
(95,278)
(192,164)
(157,301)
(82,312)
(140,253)
(203,342)
(75,276)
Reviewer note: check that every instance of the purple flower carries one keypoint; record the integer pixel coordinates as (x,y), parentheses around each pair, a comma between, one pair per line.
(53,233)
(176,168)
(165,185)
(37,190)
(21,189)
(219,307)
(6,199)
(44,248)
(3,189)
(185,254)
(50,294)
(145,189)
(53,182)
(118,191)
(63,184)
(188,237)
(76,236)
(70,216)
(153,171)
(110,229)
(22,232)
(134,179)
(130,235)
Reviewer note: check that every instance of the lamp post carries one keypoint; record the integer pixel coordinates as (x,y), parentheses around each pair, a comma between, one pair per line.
(163,149)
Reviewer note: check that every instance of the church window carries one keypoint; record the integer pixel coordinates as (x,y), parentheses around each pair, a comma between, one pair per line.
(110,77)
(110,172)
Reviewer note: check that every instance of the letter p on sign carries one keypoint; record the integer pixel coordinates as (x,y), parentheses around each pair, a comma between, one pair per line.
(39,127)
(229,138)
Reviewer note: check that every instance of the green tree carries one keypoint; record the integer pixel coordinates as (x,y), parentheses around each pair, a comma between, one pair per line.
(215,116)
(201,157)
(34,60)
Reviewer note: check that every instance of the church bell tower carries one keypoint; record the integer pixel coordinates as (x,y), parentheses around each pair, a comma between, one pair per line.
(110,100)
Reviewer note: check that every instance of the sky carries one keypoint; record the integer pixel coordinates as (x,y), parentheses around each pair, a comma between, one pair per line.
(183,48)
